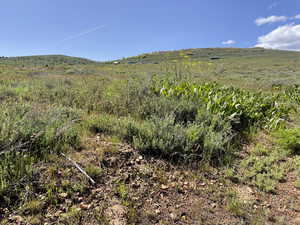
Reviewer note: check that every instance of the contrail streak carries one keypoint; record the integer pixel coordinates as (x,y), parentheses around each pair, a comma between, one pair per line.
(81,34)
(72,37)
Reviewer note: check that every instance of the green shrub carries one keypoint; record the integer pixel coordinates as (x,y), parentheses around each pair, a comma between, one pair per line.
(27,135)
(33,129)
(184,110)
(158,136)
(208,137)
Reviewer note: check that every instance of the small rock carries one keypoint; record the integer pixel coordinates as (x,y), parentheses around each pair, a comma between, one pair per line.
(57,213)
(85,206)
(96,190)
(63,195)
(164,187)
(173,216)
(49,215)
(268,205)
(18,219)
(173,184)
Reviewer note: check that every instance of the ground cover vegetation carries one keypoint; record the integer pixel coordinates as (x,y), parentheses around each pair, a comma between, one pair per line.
(229,112)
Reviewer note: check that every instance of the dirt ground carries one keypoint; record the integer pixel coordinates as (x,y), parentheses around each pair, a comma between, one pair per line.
(132,188)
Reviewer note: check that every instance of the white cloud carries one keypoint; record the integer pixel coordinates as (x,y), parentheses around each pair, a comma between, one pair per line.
(297,16)
(229,42)
(285,37)
(270,19)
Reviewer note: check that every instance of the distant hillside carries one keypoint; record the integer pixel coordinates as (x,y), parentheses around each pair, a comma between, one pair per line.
(206,54)
(197,54)
(44,60)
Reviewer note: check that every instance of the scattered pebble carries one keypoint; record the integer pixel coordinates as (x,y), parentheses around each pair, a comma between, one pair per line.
(63,195)
(85,206)
(164,187)
(173,216)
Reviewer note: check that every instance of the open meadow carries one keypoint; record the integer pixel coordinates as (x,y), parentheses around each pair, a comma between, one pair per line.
(196,136)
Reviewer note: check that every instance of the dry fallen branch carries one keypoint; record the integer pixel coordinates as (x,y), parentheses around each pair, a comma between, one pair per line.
(78,167)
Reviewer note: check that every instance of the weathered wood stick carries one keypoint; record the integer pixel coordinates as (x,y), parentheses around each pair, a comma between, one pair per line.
(78,167)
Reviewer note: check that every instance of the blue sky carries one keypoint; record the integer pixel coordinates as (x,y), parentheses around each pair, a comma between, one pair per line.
(106,30)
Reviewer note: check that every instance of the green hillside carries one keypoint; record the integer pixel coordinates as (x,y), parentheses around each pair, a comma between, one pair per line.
(43,60)
(209,54)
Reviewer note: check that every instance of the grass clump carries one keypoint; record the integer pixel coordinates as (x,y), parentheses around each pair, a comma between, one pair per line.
(93,171)
(235,205)
(32,207)
(72,216)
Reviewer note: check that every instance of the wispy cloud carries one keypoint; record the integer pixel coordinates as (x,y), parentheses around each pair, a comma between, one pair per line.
(297,17)
(229,42)
(270,19)
(82,33)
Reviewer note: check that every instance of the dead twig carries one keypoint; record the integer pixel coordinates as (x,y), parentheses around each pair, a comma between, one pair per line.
(78,167)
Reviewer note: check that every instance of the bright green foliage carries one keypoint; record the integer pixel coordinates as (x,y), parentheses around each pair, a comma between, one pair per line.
(289,139)
(243,108)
